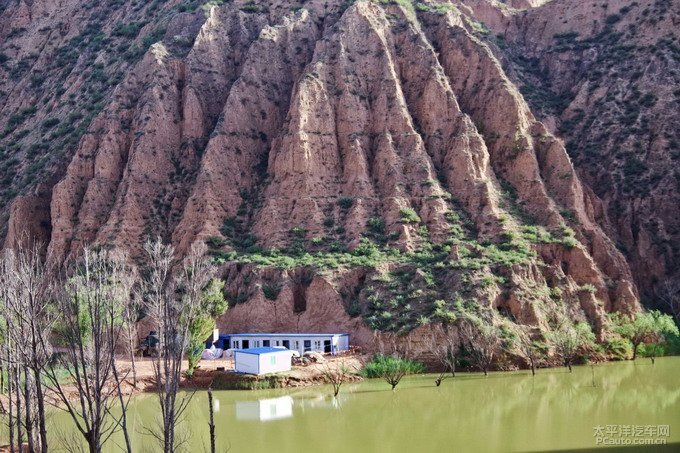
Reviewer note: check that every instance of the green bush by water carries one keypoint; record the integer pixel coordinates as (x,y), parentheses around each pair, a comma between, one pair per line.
(381,365)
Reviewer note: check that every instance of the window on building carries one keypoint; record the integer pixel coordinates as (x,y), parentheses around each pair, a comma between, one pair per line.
(236,344)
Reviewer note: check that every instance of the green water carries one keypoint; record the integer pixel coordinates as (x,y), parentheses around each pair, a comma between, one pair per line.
(555,410)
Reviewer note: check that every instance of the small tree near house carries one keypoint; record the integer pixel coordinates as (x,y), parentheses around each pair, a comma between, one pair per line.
(213,304)
(336,374)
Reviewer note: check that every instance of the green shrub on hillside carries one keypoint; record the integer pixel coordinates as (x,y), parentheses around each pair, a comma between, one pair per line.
(408,215)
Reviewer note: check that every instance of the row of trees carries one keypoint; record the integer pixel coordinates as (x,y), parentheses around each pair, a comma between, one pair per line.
(479,338)
(62,327)
(481,341)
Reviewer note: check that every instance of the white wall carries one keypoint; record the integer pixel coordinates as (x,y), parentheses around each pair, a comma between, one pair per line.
(246,363)
(343,343)
(297,343)
(272,362)
(275,362)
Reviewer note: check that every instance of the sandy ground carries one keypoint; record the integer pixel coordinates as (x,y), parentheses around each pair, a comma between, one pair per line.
(309,374)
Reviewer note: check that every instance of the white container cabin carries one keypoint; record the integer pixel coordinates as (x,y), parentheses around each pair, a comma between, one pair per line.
(260,361)
(328,343)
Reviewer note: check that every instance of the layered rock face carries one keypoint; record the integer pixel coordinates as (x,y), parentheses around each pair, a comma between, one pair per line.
(605,77)
(356,166)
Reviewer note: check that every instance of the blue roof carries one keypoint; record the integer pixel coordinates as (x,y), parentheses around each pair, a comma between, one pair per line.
(258,351)
(288,334)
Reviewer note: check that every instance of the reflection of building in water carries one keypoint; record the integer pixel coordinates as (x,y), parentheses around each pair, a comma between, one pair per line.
(314,401)
(265,410)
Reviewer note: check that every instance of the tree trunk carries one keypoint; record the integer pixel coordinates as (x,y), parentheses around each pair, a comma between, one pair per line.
(133,364)
(10,422)
(123,408)
(211,424)
(93,442)
(17,391)
(635,349)
(41,411)
(27,412)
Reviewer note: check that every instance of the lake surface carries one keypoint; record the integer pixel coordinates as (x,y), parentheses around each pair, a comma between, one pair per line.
(555,410)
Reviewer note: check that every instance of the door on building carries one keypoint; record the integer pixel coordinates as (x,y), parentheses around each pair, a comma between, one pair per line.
(266,343)
(327,346)
(245,344)
(308,345)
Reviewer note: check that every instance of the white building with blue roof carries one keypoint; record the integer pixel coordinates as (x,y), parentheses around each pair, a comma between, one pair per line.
(262,360)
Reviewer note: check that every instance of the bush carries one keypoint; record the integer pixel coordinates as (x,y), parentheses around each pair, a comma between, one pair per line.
(376,225)
(588,288)
(215,242)
(612,19)
(50,123)
(298,232)
(408,215)
(381,365)
(271,292)
(354,309)
(130,30)
(619,349)
(345,202)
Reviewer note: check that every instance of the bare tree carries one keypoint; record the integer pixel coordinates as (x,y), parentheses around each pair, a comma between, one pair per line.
(130,316)
(26,294)
(90,305)
(480,340)
(173,303)
(668,291)
(569,338)
(443,346)
(532,350)
(336,375)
